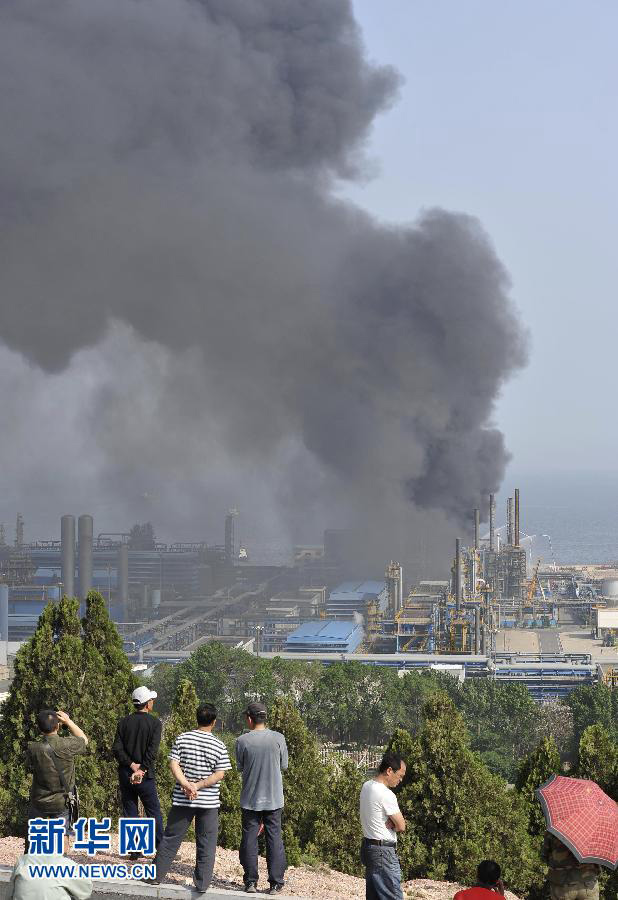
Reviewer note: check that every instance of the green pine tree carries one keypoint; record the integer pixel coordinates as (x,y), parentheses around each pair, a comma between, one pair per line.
(410,848)
(457,811)
(107,684)
(336,837)
(164,680)
(304,783)
(48,674)
(78,667)
(181,719)
(598,758)
(593,705)
(535,770)
(230,822)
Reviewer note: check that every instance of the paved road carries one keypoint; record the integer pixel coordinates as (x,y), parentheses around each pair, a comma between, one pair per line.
(112,891)
(549,640)
(165,892)
(171,892)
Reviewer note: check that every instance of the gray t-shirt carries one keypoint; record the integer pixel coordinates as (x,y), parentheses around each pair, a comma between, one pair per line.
(260,757)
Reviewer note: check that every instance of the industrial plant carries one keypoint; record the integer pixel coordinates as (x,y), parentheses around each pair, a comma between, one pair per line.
(168,599)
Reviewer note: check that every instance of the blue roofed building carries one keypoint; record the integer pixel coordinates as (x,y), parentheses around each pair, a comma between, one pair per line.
(325,635)
(353,596)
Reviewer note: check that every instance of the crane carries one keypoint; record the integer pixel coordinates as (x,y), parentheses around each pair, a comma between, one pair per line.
(533,582)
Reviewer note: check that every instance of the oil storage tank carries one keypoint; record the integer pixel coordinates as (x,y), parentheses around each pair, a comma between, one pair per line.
(609,590)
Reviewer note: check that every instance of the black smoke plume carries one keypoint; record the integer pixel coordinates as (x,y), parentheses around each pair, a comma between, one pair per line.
(192,319)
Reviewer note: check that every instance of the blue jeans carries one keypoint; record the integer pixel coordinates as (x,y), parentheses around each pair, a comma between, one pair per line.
(382,872)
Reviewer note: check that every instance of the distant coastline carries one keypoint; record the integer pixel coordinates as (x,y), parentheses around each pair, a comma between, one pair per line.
(578,510)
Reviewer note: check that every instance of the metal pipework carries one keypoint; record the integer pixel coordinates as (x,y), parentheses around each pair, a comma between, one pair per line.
(458,580)
(492,523)
(394,581)
(477,629)
(4,624)
(122,564)
(516,529)
(477,526)
(84,549)
(509,521)
(67,559)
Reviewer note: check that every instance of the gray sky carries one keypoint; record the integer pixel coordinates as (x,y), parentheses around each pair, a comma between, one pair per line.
(508,113)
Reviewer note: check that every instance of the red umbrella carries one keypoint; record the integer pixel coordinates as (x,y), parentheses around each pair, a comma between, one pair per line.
(583,817)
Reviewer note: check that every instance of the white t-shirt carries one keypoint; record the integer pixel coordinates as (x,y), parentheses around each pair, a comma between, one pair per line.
(377,803)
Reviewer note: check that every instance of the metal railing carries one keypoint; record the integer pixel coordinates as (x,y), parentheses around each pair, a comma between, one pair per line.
(366,758)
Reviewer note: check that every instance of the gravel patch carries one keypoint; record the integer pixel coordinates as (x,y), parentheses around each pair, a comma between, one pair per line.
(316,883)
(425,889)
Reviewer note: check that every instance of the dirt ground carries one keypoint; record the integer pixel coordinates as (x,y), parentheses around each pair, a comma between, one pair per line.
(578,640)
(573,639)
(305,882)
(517,640)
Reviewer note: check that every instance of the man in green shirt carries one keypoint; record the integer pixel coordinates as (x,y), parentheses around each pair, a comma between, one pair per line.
(47,796)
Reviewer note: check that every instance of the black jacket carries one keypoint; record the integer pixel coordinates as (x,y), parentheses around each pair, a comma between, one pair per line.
(137,740)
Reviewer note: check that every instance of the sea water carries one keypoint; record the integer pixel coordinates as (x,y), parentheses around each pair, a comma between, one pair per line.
(579,511)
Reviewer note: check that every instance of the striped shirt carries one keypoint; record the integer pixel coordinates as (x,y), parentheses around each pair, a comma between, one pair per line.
(200,754)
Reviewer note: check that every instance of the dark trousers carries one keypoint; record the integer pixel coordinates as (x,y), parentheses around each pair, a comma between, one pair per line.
(382,872)
(147,793)
(34,813)
(275,852)
(206,832)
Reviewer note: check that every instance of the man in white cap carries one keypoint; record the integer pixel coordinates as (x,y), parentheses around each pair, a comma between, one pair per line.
(135,747)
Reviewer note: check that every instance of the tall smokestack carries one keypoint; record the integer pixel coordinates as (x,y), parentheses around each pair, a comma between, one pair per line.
(516,528)
(477,525)
(509,521)
(67,558)
(229,536)
(492,523)
(19,531)
(457,574)
(4,624)
(122,564)
(85,528)
(394,581)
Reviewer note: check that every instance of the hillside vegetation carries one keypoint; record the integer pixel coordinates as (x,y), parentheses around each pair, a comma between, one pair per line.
(475,752)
